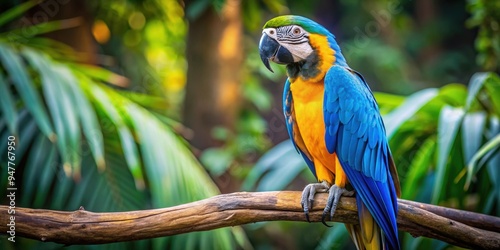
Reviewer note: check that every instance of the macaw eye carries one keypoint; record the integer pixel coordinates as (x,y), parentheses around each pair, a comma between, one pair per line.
(271,32)
(296,31)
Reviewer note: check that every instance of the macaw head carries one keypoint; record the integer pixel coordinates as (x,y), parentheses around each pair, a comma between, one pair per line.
(295,39)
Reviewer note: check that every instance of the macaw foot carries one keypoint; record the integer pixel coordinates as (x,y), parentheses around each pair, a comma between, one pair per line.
(308,195)
(334,194)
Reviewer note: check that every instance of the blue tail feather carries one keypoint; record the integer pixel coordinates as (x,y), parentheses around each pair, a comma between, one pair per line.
(378,198)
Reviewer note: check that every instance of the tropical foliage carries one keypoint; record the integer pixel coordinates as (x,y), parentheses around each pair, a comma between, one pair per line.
(81,140)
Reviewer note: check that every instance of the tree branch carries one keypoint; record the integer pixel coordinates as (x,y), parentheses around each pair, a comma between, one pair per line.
(461,228)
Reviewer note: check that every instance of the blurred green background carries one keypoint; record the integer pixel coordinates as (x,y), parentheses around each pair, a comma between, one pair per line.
(128,105)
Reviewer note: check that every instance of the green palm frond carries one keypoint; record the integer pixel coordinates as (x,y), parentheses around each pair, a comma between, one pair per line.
(10,14)
(17,72)
(81,142)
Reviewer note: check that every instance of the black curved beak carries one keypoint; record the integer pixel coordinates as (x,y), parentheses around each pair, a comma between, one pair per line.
(270,49)
(267,50)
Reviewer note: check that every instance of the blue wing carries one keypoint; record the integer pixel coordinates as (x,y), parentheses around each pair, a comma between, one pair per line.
(355,131)
(290,125)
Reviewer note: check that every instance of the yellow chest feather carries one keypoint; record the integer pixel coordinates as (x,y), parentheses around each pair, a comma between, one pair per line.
(308,115)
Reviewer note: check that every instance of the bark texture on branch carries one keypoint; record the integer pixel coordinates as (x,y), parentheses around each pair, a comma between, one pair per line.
(461,228)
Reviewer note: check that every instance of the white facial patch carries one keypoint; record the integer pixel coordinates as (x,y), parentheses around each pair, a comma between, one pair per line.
(299,51)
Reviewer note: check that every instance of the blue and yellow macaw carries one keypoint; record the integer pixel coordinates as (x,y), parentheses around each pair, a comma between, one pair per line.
(334,122)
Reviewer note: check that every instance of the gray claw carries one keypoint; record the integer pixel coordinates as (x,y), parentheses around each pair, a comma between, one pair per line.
(334,194)
(308,193)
